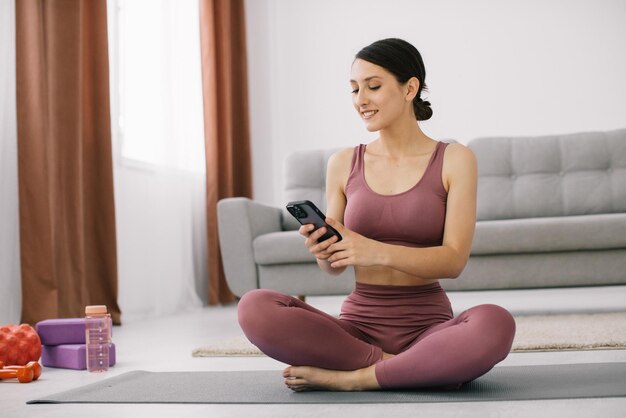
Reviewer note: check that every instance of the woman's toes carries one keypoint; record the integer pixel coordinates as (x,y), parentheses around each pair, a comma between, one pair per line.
(295,384)
(295,371)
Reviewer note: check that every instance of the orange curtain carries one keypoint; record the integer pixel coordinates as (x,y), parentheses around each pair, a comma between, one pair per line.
(226,126)
(67,218)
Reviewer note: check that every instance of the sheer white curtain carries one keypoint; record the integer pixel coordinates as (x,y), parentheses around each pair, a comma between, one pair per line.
(10,282)
(156,100)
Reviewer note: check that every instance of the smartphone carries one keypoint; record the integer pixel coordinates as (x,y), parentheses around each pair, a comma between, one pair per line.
(306,212)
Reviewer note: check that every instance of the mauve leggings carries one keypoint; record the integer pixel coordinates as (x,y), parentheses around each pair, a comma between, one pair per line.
(413,322)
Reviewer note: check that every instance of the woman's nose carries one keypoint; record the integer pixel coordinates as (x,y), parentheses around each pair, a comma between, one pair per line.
(361,97)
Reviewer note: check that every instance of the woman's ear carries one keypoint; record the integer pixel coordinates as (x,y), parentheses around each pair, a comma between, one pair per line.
(412,87)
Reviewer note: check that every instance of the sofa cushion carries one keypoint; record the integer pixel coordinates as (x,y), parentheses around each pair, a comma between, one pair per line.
(510,236)
(537,270)
(564,233)
(558,175)
(281,248)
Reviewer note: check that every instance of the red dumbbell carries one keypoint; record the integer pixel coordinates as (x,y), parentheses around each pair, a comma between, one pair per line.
(24,374)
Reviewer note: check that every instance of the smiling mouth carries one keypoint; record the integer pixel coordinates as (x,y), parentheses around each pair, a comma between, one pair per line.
(368,114)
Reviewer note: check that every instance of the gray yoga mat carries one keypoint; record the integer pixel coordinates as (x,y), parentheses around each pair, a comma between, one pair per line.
(266,387)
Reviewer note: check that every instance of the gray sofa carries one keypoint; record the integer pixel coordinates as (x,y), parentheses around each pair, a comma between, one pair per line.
(551,213)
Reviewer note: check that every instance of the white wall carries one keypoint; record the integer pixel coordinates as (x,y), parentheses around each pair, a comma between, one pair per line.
(514,67)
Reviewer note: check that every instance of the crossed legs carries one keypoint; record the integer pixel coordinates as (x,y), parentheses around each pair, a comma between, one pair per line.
(326,352)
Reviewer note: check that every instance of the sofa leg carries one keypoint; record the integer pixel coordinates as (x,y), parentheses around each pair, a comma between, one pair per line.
(302,298)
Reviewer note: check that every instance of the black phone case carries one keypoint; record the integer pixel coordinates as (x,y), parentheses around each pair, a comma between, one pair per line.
(306,212)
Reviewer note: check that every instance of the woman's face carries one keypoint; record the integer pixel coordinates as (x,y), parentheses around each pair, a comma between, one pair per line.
(378,97)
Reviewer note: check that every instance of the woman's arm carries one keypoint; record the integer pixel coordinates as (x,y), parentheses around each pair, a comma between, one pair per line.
(447,260)
(337,172)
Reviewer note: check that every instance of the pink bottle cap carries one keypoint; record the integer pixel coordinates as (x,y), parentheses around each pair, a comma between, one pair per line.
(95,310)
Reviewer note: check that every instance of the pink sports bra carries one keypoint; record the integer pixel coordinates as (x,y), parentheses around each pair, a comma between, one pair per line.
(414,218)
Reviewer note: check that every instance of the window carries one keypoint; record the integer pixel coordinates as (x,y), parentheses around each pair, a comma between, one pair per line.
(156,82)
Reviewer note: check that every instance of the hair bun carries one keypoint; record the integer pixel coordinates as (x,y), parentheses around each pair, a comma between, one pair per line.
(422,109)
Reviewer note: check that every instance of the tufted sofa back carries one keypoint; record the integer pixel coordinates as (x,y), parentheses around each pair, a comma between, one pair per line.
(559,175)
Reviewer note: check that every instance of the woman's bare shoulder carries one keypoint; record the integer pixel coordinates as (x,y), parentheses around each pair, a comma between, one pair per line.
(459,154)
(459,165)
(341,159)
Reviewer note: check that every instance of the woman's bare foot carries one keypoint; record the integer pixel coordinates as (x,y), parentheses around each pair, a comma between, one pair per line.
(304,378)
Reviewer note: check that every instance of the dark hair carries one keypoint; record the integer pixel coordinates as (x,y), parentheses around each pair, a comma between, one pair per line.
(404,61)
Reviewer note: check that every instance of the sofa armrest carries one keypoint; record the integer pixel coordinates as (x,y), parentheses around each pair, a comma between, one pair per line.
(240,221)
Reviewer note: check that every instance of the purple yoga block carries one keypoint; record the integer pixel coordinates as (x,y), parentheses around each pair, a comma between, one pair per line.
(70,356)
(61,331)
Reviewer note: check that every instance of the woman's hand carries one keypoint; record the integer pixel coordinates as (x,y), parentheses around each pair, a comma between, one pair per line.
(318,249)
(353,250)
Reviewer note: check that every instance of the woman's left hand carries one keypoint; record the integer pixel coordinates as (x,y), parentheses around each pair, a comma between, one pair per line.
(354,249)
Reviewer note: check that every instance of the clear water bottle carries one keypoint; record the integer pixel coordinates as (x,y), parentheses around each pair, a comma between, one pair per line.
(97,337)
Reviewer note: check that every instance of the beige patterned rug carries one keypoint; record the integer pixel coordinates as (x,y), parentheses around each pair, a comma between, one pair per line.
(534,333)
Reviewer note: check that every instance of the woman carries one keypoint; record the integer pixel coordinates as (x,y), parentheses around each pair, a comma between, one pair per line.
(405,205)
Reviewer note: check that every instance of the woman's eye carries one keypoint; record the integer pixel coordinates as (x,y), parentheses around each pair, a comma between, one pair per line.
(355,91)
(374,87)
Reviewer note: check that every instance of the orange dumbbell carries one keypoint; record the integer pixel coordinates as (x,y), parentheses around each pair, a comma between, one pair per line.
(34,365)
(24,374)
